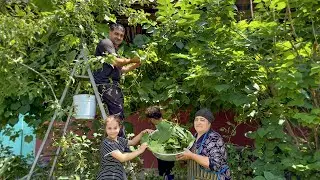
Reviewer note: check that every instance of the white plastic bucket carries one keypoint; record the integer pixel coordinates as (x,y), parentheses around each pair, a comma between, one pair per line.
(84,106)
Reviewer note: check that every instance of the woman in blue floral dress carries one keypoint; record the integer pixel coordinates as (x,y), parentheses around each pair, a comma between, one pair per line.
(208,156)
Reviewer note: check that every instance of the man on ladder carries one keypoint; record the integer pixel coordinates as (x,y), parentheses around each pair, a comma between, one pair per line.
(108,76)
(107,79)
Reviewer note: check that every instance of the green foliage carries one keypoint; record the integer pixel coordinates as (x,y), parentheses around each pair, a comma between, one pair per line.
(79,156)
(240,160)
(195,54)
(11,166)
(168,138)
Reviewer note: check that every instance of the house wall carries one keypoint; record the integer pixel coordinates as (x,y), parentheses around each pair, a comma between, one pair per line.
(19,146)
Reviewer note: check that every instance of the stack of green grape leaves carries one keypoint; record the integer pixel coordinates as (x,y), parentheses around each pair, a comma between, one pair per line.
(169,138)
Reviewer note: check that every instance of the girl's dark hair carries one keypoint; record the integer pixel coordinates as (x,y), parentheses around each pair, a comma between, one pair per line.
(114,117)
(153,112)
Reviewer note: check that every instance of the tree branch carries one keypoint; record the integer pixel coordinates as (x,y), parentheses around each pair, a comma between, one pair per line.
(316,138)
(314,97)
(304,136)
(54,95)
(251,8)
(315,44)
(290,131)
(290,20)
(288,16)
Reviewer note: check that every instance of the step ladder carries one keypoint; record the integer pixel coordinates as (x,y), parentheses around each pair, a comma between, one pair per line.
(82,57)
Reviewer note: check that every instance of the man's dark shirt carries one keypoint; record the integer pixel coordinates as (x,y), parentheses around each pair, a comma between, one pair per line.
(107,72)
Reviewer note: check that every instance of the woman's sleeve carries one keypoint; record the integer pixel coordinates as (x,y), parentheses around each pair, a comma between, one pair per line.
(107,148)
(216,151)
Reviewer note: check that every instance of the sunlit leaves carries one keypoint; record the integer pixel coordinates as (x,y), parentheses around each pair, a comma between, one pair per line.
(43,5)
(278,4)
(46,36)
(308,119)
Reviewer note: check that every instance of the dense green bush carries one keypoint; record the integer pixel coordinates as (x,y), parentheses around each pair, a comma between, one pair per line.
(12,166)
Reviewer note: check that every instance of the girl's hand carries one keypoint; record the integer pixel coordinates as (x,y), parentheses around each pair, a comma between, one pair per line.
(143,147)
(187,154)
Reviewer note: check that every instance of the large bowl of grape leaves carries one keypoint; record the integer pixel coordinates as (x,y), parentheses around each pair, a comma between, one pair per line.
(168,140)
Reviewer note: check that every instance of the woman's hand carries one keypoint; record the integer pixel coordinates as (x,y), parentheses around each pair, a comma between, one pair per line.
(187,154)
(136,60)
(138,64)
(147,131)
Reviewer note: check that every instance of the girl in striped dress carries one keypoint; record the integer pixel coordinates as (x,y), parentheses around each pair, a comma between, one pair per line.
(112,150)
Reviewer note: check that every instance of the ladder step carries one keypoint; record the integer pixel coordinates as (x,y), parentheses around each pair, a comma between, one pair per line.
(83,77)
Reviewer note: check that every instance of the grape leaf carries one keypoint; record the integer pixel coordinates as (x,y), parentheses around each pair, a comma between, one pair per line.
(145,138)
(168,138)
